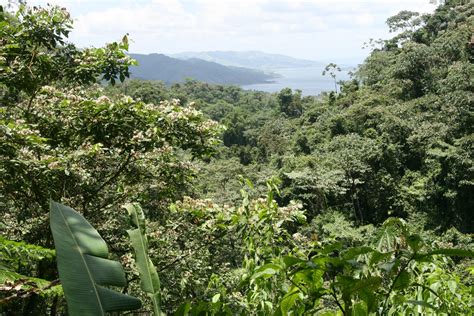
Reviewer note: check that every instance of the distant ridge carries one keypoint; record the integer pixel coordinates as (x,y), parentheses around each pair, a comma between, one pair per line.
(172,70)
(251,59)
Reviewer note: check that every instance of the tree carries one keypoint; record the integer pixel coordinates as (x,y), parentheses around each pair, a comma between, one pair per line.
(290,103)
(62,138)
(396,141)
(332,70)
(403,21)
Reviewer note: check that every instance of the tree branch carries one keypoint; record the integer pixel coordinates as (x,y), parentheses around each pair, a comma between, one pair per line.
(115,175)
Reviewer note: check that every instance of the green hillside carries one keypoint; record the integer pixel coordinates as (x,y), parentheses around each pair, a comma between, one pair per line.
(172,70)
(202,199)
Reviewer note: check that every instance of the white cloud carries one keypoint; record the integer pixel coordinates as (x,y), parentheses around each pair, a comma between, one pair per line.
(304,28)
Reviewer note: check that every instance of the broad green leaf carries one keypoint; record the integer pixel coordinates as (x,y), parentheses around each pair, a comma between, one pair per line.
(377,256)
(289,300)
(149,279)
(368,283)
(356,251)
(291,261)
(403,280)
(452,253)
(359,309)
(83,266)
(183,309)
(306,276)
(331,248)
(368,295)
(470,270)
(452,285)
(266,271)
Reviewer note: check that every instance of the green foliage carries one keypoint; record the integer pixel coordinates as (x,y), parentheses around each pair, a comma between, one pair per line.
(149,279)
(396,140)
(62,138)
(395,272)
(403,20)
(19,263)
(35,53)
(18,255)
(290,103)
(84,267)
(15,288)
(252,227)
(169,69)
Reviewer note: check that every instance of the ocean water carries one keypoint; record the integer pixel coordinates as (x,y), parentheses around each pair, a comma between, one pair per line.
(308,79)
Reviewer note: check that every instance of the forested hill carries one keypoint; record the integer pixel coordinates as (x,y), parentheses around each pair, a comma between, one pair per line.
(356,202)
(171,70)
(250,59)
(396,140)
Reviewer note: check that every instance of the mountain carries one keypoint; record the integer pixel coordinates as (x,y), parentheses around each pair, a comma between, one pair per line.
(171,70)
(251,59)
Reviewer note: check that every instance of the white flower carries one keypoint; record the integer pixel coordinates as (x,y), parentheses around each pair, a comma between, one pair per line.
(103,100)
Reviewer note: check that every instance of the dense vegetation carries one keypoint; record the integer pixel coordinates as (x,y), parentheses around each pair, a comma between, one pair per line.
(354,202)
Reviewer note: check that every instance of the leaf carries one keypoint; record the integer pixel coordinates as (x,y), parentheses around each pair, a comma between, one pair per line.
(266,271)
(291,261)
(372,282)
(357,251)
(183,309)
(21,284)
(216,298)
(368,295)
(403,281)
(377,256)
(415,242)
(360,309)
(421,303)
(289,300)
(452,285)
(452,252)
(389,266)
(249,183)
(14,254)
(330,248)
(125,42)
(83,266)
(470,270)
(149,279)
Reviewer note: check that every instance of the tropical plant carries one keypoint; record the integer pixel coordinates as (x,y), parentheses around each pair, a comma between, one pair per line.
(84,267)
(332,70)
(149,279)
(395,274)
(395,141)
(61,137)
(20,288)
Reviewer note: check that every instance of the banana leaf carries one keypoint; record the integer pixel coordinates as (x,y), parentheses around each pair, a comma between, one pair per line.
(149,279)
(83,267)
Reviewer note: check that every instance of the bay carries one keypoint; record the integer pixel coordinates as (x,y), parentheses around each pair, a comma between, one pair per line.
(307,79)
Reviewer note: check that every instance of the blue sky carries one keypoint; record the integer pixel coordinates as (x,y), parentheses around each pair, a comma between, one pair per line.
(312,29)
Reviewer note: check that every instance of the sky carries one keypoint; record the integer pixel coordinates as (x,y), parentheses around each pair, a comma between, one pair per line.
(311,29)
